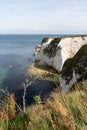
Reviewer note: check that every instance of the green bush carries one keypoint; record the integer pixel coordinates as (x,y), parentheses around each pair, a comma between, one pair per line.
(37,100)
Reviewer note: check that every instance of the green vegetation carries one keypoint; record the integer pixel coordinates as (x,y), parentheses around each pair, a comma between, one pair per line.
(37,100)
(60,112)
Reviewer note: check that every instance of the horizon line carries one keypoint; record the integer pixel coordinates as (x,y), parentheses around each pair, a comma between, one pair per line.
(43,33)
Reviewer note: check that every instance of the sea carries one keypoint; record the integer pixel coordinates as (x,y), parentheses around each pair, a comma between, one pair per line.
(16,53)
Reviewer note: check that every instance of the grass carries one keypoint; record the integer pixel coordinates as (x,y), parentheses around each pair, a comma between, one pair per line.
(60,112)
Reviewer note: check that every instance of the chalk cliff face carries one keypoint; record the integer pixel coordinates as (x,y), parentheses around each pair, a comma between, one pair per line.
(74,69)
(40,55)
(55,51)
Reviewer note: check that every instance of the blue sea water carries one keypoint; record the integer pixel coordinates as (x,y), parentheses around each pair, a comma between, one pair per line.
(15,46)
(20,44)
(16,53)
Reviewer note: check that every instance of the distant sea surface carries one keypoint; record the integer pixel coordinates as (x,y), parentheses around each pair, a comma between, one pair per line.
(20,44)
(16,53)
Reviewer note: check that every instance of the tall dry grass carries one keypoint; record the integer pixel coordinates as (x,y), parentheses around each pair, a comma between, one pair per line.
(59,112)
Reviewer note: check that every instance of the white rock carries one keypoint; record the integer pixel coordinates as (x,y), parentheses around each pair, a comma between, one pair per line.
(67,48)
(74,69)
(39,54)
(63,82)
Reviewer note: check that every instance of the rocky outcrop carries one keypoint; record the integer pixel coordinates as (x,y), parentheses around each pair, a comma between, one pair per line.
(55,51)
(74,69)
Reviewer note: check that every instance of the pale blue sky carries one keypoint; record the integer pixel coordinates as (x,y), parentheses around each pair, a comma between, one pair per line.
(43,16)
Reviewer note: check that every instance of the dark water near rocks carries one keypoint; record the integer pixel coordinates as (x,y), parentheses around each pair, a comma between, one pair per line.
(16,53)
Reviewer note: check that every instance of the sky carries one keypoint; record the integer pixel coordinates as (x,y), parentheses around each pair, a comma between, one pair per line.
(43,16)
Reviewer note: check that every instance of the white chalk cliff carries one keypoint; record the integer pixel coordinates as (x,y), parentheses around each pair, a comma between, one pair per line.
(55,51)
(68,55)
(74,69)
